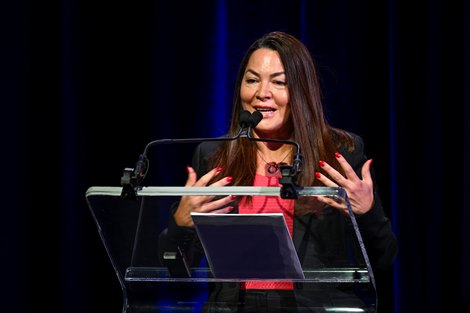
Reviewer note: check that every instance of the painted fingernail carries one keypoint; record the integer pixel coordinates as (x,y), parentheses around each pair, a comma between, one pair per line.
(218,169)
(317,174)
(229,179)
(371,161)
(321,163)
(233,197)
(229,208)
(337,155)
(188,168)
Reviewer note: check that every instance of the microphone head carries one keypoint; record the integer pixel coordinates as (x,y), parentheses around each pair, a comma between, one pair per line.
(255,118)
(245,117)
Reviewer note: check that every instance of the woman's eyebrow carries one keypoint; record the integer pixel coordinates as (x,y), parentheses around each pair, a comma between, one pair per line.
(257,74)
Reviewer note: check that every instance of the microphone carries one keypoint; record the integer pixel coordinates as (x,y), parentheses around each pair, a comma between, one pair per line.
(132,177)
(289,189)
(247,120)
(255,118)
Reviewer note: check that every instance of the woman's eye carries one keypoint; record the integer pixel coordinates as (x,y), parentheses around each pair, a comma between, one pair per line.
(250,80)
(279,82)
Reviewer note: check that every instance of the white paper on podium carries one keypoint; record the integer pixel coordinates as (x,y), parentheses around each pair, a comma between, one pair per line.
(248,246)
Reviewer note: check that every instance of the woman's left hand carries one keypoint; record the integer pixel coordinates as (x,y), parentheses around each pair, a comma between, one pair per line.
(360,191)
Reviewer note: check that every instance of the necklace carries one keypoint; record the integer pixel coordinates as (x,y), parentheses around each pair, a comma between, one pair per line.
(272,168)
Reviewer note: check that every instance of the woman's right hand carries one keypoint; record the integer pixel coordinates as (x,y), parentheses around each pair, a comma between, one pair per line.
(202,204)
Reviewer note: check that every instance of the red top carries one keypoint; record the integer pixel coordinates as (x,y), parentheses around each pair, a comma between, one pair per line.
(269,204)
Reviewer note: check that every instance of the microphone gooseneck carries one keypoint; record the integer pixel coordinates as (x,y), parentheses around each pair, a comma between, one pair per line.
(133,177)
(255,118)
(289,189)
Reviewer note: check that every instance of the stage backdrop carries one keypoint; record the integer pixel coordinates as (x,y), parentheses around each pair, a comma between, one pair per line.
(86,84)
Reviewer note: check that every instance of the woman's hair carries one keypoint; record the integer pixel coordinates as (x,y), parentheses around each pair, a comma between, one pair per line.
(310,127)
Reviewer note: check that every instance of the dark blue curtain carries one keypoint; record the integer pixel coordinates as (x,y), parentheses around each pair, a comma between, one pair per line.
(85,85)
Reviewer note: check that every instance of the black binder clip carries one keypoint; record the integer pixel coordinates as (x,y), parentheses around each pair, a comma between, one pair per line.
(128,183)
(289,188)
(132,177)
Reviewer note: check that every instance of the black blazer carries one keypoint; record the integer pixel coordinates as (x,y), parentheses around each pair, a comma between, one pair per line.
(318,239)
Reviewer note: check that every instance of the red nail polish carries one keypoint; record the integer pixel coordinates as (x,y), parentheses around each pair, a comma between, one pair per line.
(233,197)
(321,163)
(337,155)
(218,169)
(187,168)
(317,174)
(229,179)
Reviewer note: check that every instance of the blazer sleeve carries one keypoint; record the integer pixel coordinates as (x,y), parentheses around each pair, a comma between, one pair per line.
(176,238)
(376,228)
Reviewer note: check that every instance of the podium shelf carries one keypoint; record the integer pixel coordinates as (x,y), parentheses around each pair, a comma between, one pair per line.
(203,275)
(217,191)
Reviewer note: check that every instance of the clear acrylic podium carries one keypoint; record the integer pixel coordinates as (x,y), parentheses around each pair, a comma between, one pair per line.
(130,230)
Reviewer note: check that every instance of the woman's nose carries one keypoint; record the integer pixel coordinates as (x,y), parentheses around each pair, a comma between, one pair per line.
(264,91)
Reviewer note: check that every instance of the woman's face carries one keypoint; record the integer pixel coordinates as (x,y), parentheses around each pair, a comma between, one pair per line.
(264,88)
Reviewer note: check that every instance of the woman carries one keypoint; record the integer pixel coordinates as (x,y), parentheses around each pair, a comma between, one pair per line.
(278,78)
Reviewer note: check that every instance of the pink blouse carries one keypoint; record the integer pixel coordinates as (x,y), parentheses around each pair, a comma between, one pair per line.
(268,204)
